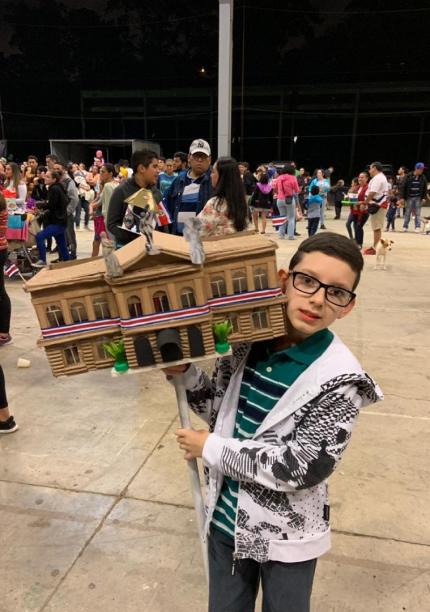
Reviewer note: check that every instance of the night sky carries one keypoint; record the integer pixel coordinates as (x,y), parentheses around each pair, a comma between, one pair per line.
(50,51)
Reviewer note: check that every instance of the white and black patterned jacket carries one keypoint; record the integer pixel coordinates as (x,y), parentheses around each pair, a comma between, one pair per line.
(282,511)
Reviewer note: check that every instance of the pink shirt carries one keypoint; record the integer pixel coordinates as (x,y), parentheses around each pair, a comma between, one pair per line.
(287,186)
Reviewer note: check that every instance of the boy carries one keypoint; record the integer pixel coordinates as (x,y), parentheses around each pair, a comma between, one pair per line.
(315,203)
(281,415)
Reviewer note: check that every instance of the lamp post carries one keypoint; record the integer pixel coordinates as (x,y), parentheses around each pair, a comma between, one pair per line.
(225,57)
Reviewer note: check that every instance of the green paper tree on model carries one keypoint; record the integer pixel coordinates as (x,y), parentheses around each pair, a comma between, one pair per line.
(116,349)
(222,331)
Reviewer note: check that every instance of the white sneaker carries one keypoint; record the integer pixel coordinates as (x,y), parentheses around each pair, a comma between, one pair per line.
(39,264)
(405,229)
(417,230)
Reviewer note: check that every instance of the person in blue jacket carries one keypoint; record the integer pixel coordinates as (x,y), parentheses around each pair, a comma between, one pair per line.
(192,188)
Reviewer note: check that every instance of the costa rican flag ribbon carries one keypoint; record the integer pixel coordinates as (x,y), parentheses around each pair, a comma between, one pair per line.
(75,328)
(163,217)
(278,221)
(159,317)
(168,316)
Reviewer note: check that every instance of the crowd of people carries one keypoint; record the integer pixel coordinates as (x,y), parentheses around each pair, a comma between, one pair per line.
(225,195)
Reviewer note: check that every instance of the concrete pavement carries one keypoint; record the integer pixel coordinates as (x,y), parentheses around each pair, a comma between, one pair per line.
(95,508)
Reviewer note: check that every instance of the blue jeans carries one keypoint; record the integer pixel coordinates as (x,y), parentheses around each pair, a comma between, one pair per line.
(323,205)
(282,207)
(59,233)
(291,214)
(413,204)
(286,587)
(313,225)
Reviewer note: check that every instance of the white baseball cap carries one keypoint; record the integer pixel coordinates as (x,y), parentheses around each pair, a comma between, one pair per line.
(200,146)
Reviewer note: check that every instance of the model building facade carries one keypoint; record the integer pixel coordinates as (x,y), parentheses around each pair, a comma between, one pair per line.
(163,306)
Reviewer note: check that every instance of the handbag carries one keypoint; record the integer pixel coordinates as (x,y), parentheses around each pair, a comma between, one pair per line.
(372,209)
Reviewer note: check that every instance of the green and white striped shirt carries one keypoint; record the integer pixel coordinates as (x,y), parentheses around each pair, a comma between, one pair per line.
(267,376)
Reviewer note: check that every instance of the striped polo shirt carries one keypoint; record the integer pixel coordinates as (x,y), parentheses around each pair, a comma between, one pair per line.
(267,376)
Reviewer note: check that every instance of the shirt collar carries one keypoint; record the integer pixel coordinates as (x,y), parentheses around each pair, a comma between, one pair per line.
(308,351)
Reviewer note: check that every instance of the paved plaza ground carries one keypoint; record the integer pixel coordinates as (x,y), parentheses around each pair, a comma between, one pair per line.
(95,509)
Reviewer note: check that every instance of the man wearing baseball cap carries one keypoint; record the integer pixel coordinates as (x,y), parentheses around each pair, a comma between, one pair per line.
(192,188)
(414,191)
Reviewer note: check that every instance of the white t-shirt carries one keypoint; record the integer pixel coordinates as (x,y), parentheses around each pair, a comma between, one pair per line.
(379,186)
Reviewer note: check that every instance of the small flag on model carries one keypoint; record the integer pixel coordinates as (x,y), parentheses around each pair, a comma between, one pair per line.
(11,270)
(278,221)
(163,217)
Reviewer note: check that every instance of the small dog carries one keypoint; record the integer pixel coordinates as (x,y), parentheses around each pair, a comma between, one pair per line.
(382,249)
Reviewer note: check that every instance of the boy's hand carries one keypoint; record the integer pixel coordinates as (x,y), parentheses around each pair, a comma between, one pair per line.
(191,441)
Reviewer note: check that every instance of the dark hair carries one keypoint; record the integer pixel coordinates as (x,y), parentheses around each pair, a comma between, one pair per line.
(405,169)
(315,190)
(16,174)
(333,245)
(244,164)
(230,188)
(264,178)
(52,157)
(33,157)
(377,165)
(56,175)
(161,158)
(110,168)
(143,157)
(182,156)
(289,169)
(41,169)
(2,202)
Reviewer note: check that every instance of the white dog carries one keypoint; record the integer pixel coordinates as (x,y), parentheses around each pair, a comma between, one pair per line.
(382,249)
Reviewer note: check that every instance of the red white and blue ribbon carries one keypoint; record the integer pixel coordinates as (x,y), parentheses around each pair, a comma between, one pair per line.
(278,221)
(75,328)
(159,317)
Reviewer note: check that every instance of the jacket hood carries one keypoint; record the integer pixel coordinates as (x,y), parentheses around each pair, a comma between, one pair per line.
(265,187)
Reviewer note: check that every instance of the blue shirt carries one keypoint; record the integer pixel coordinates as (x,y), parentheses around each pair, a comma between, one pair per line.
(314,206)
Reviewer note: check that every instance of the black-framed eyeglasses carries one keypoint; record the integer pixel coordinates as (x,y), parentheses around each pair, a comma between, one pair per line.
(310,285)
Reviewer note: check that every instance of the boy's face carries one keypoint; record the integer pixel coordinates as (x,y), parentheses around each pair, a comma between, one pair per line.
(308,314)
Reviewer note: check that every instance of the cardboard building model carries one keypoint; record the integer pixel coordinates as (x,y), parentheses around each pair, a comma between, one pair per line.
(163,306)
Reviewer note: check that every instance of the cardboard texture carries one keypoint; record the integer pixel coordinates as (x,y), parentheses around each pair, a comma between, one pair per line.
(79,308)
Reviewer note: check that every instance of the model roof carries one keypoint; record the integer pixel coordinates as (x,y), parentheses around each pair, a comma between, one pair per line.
(234,246)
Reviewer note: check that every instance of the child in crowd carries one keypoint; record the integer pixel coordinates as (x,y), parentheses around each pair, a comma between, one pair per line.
(315,202)
(281,414)
(391,211)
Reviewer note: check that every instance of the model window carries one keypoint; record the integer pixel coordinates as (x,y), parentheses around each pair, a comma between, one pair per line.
(161,301)
(71,355)
(234,321)
(101,308)
(259,319)
(218,286)
(134,306)
(79,312)
(187,297)
(100,350)
(55,316)
(260,278)
(239,281)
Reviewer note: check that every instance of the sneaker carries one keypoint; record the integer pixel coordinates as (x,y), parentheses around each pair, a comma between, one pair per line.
(8,426)
(297,234)
(87,227)
(417,230)
(323,227)
(405,229)
(7,339)
(39,264)
(369,251)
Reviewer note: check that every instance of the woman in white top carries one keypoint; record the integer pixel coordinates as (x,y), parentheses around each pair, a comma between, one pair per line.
(227,211)
(14,187)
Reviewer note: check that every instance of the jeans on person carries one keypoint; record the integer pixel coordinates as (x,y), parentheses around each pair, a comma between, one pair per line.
(59,233)
(313,225)
(282,208)
(291,215)
(286,587)
(359,223)
(323,207)
(349,225)
(413,204)
(70,234)
(82,204)
(5,306)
